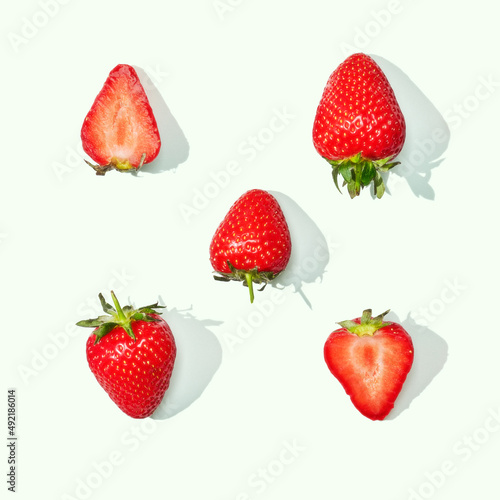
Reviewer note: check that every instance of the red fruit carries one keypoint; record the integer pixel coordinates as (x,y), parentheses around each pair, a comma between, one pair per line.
(120,130)
(359,126)
(371,359)
(252,244)
(131,352)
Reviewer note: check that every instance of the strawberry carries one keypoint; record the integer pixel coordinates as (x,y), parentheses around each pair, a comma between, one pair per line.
(371,359)
(359,127)
(252,244)
(120,130)
(131,352)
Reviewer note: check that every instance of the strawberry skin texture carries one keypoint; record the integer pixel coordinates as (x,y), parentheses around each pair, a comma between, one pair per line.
(254,234)
(120,130)
(358,113)
(371,368)
(359,127)
(252,243)
(134,373)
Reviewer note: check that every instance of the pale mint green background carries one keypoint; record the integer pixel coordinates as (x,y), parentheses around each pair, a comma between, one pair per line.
(253,411)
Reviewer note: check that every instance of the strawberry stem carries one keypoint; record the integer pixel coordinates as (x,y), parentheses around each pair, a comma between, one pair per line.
(249,282)
(247,276)
(358,173)
(119,317)
(366,325)
(141,163)
(116,164)
(119,310)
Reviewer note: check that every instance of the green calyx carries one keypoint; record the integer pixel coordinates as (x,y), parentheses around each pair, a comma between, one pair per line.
(359,172)
(118,316)
(248,277)
(367,325)
(115,164)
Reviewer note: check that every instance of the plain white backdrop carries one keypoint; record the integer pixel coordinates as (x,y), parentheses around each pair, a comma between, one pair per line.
(253,412)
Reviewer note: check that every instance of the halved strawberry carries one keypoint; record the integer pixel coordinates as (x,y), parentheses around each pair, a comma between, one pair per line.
(120,130)
(371,359)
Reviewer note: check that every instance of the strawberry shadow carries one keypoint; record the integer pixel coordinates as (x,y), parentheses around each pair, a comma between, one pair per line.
(174,145)
(430,355)
(310,253)
(427,134)
(199,355)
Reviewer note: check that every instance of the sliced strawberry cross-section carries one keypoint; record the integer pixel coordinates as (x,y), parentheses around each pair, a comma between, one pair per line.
(120,131)
(371,358)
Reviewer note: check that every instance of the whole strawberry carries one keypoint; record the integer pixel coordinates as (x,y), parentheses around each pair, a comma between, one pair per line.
(252,244)
(371,359)
(120,130)
(131,352)
(359,127)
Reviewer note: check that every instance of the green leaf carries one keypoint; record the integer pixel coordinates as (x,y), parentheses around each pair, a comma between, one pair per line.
(366,325)
(352,189)
(121,316)
(150,319)
(366,316)
(89,323)
(105,318)
(356,158)
(151,309)
(219,277)
(378,185)
(104,329)
(347,324)
(381,163)
(335,174)
(107,308)
(367,173)
(386,167)
(128,328)
(353,186)
(358,172)
(380,317)
(152,306)
(346,172)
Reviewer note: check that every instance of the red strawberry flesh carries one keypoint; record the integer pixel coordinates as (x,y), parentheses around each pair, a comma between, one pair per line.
(120,130)
(372,366)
